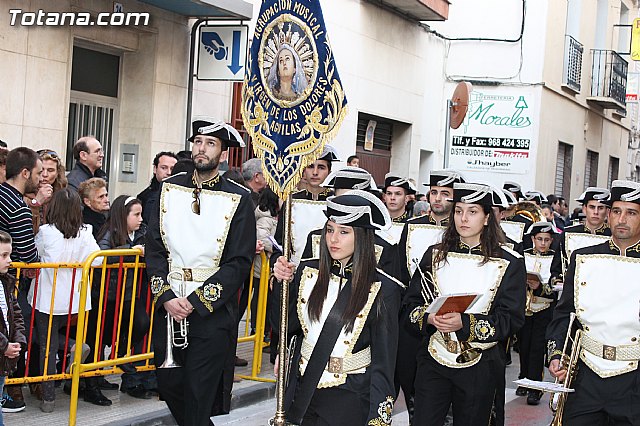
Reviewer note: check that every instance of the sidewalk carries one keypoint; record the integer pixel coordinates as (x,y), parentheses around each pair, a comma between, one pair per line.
(127,410)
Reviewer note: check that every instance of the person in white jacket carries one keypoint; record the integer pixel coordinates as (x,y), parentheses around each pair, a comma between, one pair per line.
(64,239)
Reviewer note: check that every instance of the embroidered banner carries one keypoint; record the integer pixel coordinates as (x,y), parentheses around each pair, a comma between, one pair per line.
(292,100)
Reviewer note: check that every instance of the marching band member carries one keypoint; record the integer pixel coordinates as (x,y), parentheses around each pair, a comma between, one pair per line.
(601,289)
(396,196)
(544,266)
(418,234)
(595,229)
(200,245)
(459,362)
(343,181)
(344,313)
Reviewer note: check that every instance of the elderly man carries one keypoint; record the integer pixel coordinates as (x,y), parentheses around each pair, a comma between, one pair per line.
(254,178)
(197,264)
(163,164)
(601,290)
(88,155)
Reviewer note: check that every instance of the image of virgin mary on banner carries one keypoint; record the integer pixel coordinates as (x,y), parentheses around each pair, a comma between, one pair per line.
(292,101)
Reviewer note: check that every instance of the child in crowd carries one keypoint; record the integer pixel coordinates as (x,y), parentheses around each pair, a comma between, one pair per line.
(12,337)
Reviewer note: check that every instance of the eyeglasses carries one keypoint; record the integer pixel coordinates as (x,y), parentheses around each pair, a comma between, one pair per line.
(48,152)
(195,205)
(543,240)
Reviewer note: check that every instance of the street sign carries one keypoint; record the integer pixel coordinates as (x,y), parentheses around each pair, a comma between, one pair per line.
(222,52)
(635,40)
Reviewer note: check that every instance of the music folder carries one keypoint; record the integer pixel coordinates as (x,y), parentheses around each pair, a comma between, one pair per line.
(453,303)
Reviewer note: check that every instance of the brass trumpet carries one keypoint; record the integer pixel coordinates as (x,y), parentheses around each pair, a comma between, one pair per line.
(558,400)
(467,352)
(181,341)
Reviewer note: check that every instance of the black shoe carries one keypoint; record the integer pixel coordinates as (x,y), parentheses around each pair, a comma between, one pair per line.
(103,384)
(520,391)
(241,362)
(137,392)
(534,397)
(128,368)
(67,387)
(94,396)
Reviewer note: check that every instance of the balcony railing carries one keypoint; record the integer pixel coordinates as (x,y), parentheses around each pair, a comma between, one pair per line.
(608,79)
(572,63)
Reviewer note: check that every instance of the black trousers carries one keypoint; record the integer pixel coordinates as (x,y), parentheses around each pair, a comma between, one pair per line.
(406,364)
(471,390)
(597,401)
(336,407)
(191,391)
(533,344)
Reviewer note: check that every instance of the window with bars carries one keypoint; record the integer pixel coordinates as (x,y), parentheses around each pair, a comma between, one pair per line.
(591,169)
(614,166)
(563,170)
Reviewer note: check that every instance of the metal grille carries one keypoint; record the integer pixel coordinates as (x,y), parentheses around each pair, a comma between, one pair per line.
(614,168)
(573,50)
(591,169)
(90,119)
(609,76)
(563,170)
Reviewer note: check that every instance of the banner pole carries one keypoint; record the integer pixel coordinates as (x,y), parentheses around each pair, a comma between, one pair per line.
(279,419)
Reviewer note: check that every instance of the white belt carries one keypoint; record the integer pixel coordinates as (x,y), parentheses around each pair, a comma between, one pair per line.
(453,346)
(194,274)
(337,365)
(610,353)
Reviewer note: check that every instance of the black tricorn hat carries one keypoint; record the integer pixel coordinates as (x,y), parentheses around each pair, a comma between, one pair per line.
(358,208)
(514,188)
(500,198)
(444,178)
(329,154)
(218,129)
(624,190)
(401,182)
(543,226)
(593,193)
(473,193)
(348,178)
(535,196)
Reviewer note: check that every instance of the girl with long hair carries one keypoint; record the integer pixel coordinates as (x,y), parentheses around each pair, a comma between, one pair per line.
(63,239)
(344,314)
(461,360)
(123,229)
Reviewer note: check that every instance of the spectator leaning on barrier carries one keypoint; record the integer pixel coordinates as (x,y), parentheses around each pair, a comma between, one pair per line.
(24,173)
(123,230)
(88,155)
(95,199)
(12,333)
(163,165)
(64,239)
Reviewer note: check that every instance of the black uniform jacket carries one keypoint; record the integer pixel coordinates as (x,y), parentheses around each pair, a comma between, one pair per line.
(380,332)
(557,329)
(545,290)
(235,262)
(506,314)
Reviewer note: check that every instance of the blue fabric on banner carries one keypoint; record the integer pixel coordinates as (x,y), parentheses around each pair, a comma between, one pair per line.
(293,101)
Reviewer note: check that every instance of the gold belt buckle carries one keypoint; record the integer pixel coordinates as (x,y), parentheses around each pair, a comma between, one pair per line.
(335,365)
(452,346)
(609,352)
(188,274)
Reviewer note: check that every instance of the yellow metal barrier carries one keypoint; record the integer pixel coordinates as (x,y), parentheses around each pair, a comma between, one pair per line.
(261,315)
(95,367)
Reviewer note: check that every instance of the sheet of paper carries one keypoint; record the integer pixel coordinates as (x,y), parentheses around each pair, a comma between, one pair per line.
(542,386)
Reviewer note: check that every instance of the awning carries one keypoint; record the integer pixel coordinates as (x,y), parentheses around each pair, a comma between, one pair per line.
(213,9)
(419,10)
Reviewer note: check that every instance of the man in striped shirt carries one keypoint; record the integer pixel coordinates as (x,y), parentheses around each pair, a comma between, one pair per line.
(24,174)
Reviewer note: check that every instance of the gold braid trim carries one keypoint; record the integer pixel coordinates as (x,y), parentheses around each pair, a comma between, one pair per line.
(207,304)
(417,315)
(157,295)
(472,328)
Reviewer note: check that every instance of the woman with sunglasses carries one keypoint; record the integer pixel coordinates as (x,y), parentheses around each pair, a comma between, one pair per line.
(460,362)
(344,314)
